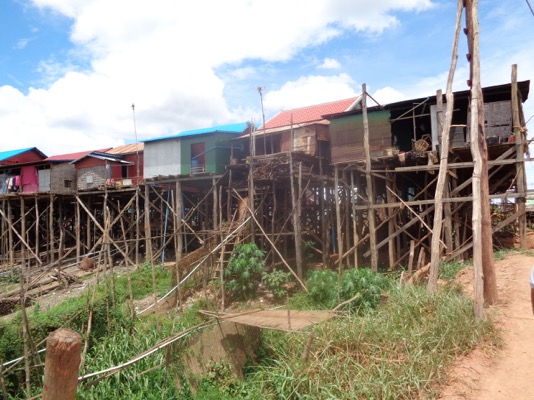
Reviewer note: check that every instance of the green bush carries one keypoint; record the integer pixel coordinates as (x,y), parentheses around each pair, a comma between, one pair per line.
(323,288)
(243,273)
(275,281)
(369,285)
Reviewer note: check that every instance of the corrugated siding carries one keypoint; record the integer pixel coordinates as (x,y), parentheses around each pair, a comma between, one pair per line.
(162,158)
(44,180)
(498,119)
(346,136)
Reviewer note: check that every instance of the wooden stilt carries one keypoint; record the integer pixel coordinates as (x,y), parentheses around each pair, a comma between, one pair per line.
(148,241)
(369,178)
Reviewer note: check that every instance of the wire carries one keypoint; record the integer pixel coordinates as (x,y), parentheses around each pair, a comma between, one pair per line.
(529,6)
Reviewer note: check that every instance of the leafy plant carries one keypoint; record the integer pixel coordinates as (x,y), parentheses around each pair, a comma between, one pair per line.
(369,285)
(308,249)
(243,274)
(322,287)
(275,281)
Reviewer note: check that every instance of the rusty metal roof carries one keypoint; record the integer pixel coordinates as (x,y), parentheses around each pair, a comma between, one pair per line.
(127,148)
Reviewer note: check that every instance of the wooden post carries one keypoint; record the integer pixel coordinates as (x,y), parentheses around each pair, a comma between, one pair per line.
(521,186)
(485,283)
(391,218)
(10,234)
(51,237)
(148,241)
(353,199)
(37,227)
(78,232)
(370,191)
(295,201)
(215,204)
(62,365)
(337,200)
(435,253)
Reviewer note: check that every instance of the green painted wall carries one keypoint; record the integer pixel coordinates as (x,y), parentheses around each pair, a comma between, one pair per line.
(217,151)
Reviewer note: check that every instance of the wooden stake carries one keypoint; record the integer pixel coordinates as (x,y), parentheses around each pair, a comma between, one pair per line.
(62,365)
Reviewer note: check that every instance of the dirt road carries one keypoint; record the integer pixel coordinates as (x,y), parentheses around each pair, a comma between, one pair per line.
(506,373)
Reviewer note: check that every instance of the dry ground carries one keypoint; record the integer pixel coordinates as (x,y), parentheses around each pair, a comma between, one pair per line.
(505,373)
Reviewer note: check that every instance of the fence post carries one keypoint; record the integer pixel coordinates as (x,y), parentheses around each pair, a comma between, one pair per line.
(62,365)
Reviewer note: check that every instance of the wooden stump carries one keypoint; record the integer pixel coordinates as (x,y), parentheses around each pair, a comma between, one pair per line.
(62,365)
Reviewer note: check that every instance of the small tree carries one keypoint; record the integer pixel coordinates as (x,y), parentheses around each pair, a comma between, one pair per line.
(243,274)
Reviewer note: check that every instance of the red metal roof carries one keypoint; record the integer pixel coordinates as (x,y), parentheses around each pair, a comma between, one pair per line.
(73,156)
(310,113)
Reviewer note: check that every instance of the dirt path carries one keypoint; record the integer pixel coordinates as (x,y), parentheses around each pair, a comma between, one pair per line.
(504,373)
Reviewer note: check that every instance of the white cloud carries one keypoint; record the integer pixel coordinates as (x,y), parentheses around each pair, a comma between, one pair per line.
(387,95)
(310,90)
(330,63)
(22,43)
(163,55)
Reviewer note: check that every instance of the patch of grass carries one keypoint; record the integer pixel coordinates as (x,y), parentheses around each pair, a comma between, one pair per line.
(449,270)
(398,352)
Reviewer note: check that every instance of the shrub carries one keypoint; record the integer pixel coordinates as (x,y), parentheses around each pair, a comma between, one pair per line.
(322,287)
(243,274)
(368,284)
(275,281)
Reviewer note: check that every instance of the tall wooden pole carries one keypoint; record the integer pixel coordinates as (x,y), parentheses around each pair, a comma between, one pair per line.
(520,165)
(369,178)
(435,254)
(485,283)
(148,240)
(179,240)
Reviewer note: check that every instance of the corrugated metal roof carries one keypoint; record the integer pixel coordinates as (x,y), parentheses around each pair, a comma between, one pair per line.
(127,148)
(236,128)
(6,155)
(73,156)
(310,113)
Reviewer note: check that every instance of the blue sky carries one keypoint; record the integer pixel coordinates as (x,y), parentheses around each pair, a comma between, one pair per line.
(70,69)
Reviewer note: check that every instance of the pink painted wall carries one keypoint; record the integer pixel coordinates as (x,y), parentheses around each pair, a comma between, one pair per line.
(30,179)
